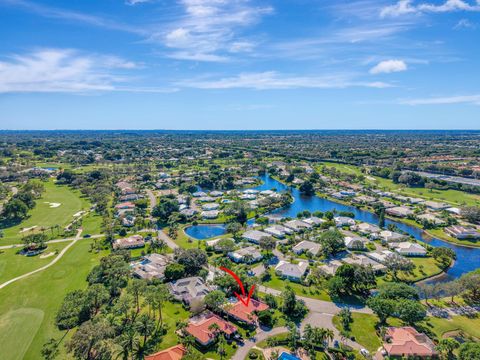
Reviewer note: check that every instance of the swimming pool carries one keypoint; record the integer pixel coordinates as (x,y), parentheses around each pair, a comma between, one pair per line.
(287,356)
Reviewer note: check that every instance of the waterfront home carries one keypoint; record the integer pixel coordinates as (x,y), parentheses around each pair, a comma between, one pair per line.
(462,232)
(189,289)
(314,221)
(388,236)
(454,210)
(362,260)
(364,199)
(131,242)
(254,236)
(307,246)
(151,266)
(200,327)
(216,193)
(415,201)
(330,267)
(407,342)
(212,214)
(290,271)
(399,211)
(246,255)
(205,199)
(341,221)
(431,218)
(355,242)
(297,225)
(173,353)
(408,248)
(247,314)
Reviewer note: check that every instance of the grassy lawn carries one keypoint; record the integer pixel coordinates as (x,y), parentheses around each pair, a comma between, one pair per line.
(92,223)
(172,312)
(364,331)
(44,216)
(441,235)
(425,267)
(279,284)
(28,307)
(13,264)
(457,323)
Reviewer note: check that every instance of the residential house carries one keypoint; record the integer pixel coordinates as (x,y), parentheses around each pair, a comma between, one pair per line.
(247,255)
(173,353)
(188,212)
(399,211)
(131,242)
(362,260)
(307,246)
(201,328)
(341,221)
(290,271)
(247,314)
(210,206)
(314,221)
(330,267)
(297,225)
(367,228)
(388,236)
(431,218)
(254,236)
(408,248)
(462,232)
(380,256)
(278,231)
(152,266)
(407,342)
(436,206)
(212,214)
(216,193)
(189,289)
(355,242)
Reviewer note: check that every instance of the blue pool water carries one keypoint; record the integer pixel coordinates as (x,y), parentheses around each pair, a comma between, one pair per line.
(202,232)
(287,356)
(468,259)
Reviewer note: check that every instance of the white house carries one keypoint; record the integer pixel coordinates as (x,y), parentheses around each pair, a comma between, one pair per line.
(297,225)
(307,246)
(212,214)
(254,236)
(408,248)
(341,221)
(248,255)
(355,242)
(291,271)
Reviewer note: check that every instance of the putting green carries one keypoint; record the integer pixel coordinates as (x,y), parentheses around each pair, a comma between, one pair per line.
(18,328)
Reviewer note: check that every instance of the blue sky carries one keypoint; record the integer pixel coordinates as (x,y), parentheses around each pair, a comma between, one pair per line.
(239,64)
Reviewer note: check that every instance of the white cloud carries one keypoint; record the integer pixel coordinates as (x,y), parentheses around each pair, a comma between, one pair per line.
(63,70)
(404,7)
(210,30)
(460,99)
(465,24)
(389,66)
(136,2)
(270,80)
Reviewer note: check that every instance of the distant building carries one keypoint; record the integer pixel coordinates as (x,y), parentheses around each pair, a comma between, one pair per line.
(399,211)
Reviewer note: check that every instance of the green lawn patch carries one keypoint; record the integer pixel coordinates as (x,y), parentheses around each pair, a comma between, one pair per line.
(45,216)
(44,292)
(364,331)
(470,326)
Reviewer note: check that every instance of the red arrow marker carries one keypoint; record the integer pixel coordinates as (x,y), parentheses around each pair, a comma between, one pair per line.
(237,279)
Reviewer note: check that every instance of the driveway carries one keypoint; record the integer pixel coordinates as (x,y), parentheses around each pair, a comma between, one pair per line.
(242,351)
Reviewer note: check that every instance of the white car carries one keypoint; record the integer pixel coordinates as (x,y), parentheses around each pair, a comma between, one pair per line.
(365,353)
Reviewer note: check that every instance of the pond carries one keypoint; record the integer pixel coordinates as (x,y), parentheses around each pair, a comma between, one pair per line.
(468,259)
(201,232)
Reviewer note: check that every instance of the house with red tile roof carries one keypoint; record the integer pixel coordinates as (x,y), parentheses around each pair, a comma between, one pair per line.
(246,314)
(408,342)
(200,328)
(174,353)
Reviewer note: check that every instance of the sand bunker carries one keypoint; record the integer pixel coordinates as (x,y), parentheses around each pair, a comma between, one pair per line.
(43,256)
(53,205)
(78,213)
(28,229)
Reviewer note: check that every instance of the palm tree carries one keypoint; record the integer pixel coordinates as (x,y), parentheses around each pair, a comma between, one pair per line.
(145,327)
(128,341)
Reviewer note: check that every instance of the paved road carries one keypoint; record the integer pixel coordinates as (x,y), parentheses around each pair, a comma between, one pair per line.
(168,240)
(59,256)
(321,306)
(52,241)
(242,351)
(152,198)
